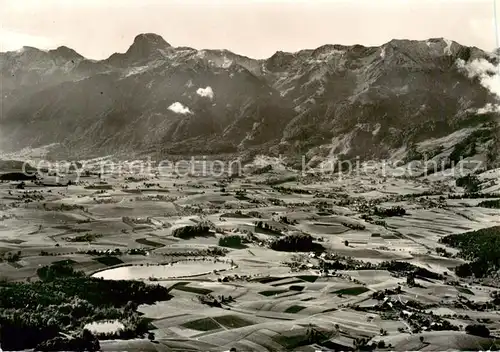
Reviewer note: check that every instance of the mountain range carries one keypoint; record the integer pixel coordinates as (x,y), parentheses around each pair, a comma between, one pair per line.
(155,99)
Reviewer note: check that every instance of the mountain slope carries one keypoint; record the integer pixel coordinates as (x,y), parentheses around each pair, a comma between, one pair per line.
(157,99)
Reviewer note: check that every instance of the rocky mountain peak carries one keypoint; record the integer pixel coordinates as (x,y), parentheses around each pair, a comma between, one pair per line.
(146,43)
(145,47)
(66,53)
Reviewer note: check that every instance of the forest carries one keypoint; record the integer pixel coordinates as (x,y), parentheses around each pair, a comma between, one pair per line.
(481,247)
(64,301)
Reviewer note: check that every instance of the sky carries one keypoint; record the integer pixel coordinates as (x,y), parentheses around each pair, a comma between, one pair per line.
(255,28)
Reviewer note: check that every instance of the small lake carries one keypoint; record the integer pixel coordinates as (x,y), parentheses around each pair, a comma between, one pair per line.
(104,327)
(137,272)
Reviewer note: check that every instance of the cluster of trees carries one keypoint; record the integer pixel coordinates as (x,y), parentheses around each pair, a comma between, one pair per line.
(496,297)
(410,280)
(64,207)
(409,269)
(135,179)
(275,201)
(380,295)
(272,181)
(443,252)
(470,183)
(337,262)
(475,268)
(262,225)
(419,320)
(332,265)
(285,220)
(213,301)
(88,237)
(58,270)
(263,170)
(481,247)
(393,211)
(188,232)
(403,197)
(17,176)
(492,204)
(10,257)
(137,251)
(463,301)
(332,261)
(233,241)
(370,220)
(288,190)
(478,330)
(31,196)
(473,195)
(241,194)
(86,341)
(354,226)
(293,243)
(34,313)
(108,252)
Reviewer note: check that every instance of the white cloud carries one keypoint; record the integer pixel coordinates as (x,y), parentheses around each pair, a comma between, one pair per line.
(488,74)
(205,92)
(489,77)
(489,108)
(178,108)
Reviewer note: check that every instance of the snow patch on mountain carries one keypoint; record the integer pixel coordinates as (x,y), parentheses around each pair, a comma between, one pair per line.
(286,91)
(332,54)
(320,91)
(447,49)
(227,62)
(206,92)
(317,76)
(136,70)
(201,54)
(377,129)
(178,108)
(382,53)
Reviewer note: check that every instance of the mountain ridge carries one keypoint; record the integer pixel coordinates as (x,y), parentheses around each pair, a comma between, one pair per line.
(155,98)
(155,38)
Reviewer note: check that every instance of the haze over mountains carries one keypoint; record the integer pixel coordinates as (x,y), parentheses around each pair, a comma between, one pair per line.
(156,100)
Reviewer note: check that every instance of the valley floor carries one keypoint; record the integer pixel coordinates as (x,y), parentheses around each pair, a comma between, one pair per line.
(257,298)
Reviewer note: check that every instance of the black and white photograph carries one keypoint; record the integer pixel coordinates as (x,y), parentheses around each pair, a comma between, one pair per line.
(249,175)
